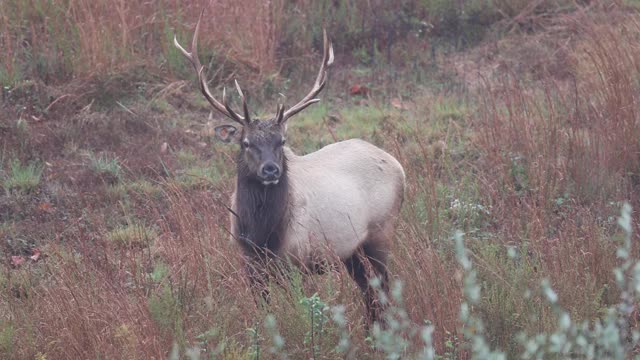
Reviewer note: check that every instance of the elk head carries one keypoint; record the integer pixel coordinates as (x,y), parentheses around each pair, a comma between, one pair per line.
(261,141)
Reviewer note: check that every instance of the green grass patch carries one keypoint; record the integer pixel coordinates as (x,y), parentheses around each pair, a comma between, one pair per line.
(104,164)
(139,187)
(132,235)
(202,175)
(317,126)
(450,109)
(7,333)
(186,157)
(22,178)
(145,187)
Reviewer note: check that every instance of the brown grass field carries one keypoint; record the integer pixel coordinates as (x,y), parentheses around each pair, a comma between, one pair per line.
(517,123)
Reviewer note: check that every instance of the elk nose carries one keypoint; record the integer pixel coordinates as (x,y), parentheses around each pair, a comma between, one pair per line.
(270,170)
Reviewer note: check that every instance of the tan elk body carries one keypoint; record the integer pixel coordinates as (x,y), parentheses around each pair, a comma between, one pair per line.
(341,201)
(340,197)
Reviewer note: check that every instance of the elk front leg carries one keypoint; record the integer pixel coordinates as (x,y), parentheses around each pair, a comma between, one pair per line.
(258,275)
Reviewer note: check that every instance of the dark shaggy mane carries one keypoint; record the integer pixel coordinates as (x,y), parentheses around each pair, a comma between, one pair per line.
(261,211)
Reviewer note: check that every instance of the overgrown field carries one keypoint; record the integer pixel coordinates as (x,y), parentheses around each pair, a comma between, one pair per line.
(517,123)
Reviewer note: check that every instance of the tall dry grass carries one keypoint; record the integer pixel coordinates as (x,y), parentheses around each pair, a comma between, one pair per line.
(560,156)
(107,299)
(549,159)
(56,41)
(60,41)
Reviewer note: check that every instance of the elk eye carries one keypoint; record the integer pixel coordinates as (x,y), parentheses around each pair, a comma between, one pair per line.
(245,143)
(283,141)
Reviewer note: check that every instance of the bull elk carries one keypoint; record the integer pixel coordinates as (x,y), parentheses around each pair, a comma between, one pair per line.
(341,201)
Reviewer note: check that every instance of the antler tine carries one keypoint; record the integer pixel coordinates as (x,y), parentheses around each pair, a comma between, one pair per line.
(244,103)
(279,112)
(204,88)
(232,114)
(321,80)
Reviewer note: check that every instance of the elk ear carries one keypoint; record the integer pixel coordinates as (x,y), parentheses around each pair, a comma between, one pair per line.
(226,133)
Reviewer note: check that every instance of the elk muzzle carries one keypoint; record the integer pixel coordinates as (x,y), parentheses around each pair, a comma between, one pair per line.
(269,173)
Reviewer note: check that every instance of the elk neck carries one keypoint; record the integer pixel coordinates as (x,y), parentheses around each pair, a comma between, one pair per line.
(261,211)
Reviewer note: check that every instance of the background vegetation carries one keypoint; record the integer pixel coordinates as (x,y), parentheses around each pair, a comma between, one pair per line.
(516,121)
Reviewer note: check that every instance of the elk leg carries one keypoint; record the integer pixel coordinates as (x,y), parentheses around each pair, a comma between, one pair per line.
(378,259)
(258,280)
(357,267)
(280,272)
(263,269)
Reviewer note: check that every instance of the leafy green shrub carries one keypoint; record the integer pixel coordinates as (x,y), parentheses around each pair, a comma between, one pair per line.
(613,336)
(473,325)
(165,310)
(318,317)
(395,337)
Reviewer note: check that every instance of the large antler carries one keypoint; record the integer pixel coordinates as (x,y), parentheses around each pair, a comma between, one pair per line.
(321,81)
(193,58)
